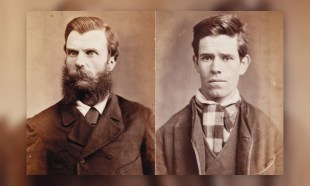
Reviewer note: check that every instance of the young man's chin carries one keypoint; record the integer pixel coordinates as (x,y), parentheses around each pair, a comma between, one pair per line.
(216,95)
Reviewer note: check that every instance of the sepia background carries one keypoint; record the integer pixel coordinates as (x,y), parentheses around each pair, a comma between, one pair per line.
(133,75)
(177,80)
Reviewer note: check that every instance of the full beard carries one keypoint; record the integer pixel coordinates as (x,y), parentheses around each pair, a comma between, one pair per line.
(79,85)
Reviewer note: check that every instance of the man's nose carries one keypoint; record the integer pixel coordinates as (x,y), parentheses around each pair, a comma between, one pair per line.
(80,60)
(216,66)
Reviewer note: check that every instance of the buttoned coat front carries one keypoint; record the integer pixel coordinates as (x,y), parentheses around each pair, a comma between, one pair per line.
(59,141)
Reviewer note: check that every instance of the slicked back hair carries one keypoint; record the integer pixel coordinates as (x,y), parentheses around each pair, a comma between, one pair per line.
(85,24)
(221,25)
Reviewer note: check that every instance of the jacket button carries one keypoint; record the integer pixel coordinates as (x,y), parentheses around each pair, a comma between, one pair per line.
(109,156)
(82,161)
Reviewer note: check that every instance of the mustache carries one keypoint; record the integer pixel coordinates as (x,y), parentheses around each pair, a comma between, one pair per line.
(78,74)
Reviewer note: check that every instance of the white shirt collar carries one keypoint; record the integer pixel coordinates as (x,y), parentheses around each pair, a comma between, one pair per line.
(85,108)
(234,98)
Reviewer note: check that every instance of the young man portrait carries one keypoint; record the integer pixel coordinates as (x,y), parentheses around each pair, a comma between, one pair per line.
(219,132)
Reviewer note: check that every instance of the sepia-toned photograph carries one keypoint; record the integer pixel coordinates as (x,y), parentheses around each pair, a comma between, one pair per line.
(219,93)
(90,93)
(174,89)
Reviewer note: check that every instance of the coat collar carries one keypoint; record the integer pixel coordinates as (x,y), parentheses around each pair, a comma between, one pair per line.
(197,139)
(245,140)
(109,126)
(69,116)
(244,112)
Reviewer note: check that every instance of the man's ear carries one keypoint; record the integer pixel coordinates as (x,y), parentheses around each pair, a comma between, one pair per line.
(245,62)
(111,63)
(195,60)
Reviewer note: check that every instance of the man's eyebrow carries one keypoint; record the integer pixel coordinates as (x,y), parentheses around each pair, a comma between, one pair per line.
(206,54)
(71,49)
(226,55)
(90,49)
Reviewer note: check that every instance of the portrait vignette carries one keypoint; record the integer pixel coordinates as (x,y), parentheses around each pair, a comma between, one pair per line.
(92,112)
(133,75)
(177,80)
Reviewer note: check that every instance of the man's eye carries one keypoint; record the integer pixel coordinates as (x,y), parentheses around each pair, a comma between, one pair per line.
(227,58)
(207,58)
(91,53)
(73,53)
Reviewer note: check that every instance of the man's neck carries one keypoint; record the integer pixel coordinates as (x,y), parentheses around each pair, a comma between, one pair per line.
(84,108)
(234,95)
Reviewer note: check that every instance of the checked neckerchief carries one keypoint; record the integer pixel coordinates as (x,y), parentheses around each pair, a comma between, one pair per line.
(217,123)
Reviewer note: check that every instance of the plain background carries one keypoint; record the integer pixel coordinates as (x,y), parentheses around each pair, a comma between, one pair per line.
(133,75)
(177,80)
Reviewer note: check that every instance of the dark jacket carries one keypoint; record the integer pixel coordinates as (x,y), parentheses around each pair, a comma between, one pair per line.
(180,148)
(123,142)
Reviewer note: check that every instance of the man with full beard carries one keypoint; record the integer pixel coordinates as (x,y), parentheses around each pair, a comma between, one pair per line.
(91,130)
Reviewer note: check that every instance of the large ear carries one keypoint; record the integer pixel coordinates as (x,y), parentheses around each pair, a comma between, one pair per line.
(111,63)
(195,60)
(245,62)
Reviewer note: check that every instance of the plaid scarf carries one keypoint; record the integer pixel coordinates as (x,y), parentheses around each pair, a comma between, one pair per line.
(217,122)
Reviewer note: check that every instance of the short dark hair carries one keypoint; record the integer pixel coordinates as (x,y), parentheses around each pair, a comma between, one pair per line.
(221,25)
(84,24)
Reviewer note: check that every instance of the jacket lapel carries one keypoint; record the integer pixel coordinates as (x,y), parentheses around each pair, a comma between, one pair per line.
(67,114)
(245,141)
(197,139)
(109,127)
(79,130)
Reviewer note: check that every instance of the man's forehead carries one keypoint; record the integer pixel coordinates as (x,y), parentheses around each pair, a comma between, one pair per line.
(92,38)
(219,43)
